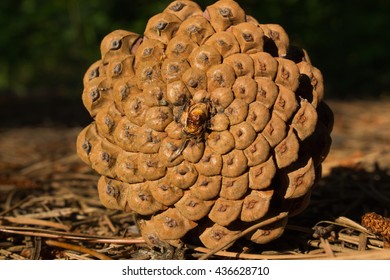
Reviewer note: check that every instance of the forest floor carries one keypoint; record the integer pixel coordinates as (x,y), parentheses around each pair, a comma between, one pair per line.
(49,207)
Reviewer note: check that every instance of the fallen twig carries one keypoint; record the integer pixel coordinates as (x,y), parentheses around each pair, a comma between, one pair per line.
(38,222)
(70,236)
(78,249)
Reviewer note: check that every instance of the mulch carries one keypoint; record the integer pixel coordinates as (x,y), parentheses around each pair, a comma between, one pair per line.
(50,209)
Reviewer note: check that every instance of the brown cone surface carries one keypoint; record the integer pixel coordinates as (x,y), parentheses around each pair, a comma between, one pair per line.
(204,125)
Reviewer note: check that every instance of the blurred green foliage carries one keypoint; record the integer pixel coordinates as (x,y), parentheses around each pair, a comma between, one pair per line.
(46,46)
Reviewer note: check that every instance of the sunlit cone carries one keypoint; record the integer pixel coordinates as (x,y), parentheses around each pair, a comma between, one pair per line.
(208,124)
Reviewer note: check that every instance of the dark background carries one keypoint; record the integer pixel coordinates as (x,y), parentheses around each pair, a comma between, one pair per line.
(46,46)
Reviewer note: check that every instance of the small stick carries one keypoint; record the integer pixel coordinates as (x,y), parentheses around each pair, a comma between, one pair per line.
(362,255)
(109,223)
(37,222)
(255,256)
(48,210)
(78,249)
(53,213)
(71,236)
(74,256)
(373,242)
(362,241)
(335,248)
(16,205)
(11,255)
(327,248)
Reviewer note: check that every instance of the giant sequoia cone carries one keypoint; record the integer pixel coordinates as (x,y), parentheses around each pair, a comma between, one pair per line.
(208,124)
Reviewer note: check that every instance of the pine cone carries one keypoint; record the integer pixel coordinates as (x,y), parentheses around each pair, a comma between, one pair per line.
(206,125)
(377,224)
